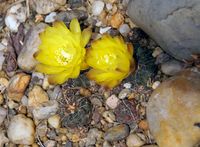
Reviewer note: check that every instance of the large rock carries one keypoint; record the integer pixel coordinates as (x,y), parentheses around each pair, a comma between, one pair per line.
(174,24)
(25,60)
(173,111)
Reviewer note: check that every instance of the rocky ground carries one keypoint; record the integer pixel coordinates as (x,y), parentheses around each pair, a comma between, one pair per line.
(78,113)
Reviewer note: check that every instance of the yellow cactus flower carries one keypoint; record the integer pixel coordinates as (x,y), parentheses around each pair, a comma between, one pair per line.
(62,51)
(111,60)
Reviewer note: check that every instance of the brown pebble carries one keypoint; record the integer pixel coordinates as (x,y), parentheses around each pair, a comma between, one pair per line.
(22,109)
(85,92)
(143,124)
(116,20)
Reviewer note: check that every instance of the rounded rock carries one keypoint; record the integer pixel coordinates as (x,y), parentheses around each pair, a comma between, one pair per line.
(134,140)
(54,121)
(97,7)
(173,111)
(117,133)
(21,130)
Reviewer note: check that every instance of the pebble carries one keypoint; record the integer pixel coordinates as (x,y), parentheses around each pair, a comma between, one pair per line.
(55,93)
(124,29)
(75,3)
(117,133)
(155,84)
(93,135)
(15,15)
(17,86)
(3,84)
(150,146)
(3,138)
(46,6)
(54,121)
(2,47)
(124,93)
(51,17)
(3,113)
(37,78)
(11,104)
(134,141)
(112,101)
(25,60)
(109,6)
(2,58)
(127,85)
(1,99)
(143,124)
(109,116)
(45,110)
(172,67)
(106,144)
(117,20)
(97,7)
(50,143)
(96,102)
(37,96)
(21,130)
(157,51)
(104,30)
(42,128)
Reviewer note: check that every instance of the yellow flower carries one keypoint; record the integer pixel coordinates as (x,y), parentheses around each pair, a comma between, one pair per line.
(62,51)
(111,61)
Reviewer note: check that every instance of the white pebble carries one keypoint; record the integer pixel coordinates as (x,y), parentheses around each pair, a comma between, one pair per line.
(104,30)
(54,121)
(2,47)
(157,51)
(97,7)
(2,58)
(51,17)
(134,141)
(21,130)
(15,15)
(112,101)
(12,23)
(124,93)
(127,85)
(109,6)
(124,29)
(155,84)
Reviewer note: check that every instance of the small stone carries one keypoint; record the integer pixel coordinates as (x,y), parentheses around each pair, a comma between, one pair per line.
(172,67)
(25,60)
(112,102)
(3,113)
(134,141)
(15,15)
(46,6)
(106,144)
(109,116)
(150,146)
(50,143)
(124,29)
(21,130)
(42,128)
(117,20)
(117,133)
(97,7)
(3,84)
(85,92)
(127,85)
(104,30)
(3,138)
(12,104)
(22,109)
(124,93)
(143,124)
(46,85)
(37,78)
(1,99)
(2,58)
(93,135)
(155,84)
(109,6)
(17,86)
(51,17)
(45,110)
(96,102)
(157,51)
(37,96)
(75,3)
(54,121)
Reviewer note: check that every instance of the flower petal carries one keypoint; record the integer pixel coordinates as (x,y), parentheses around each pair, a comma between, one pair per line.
(75,26)
(85,36)
(48,69)
(59,78)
